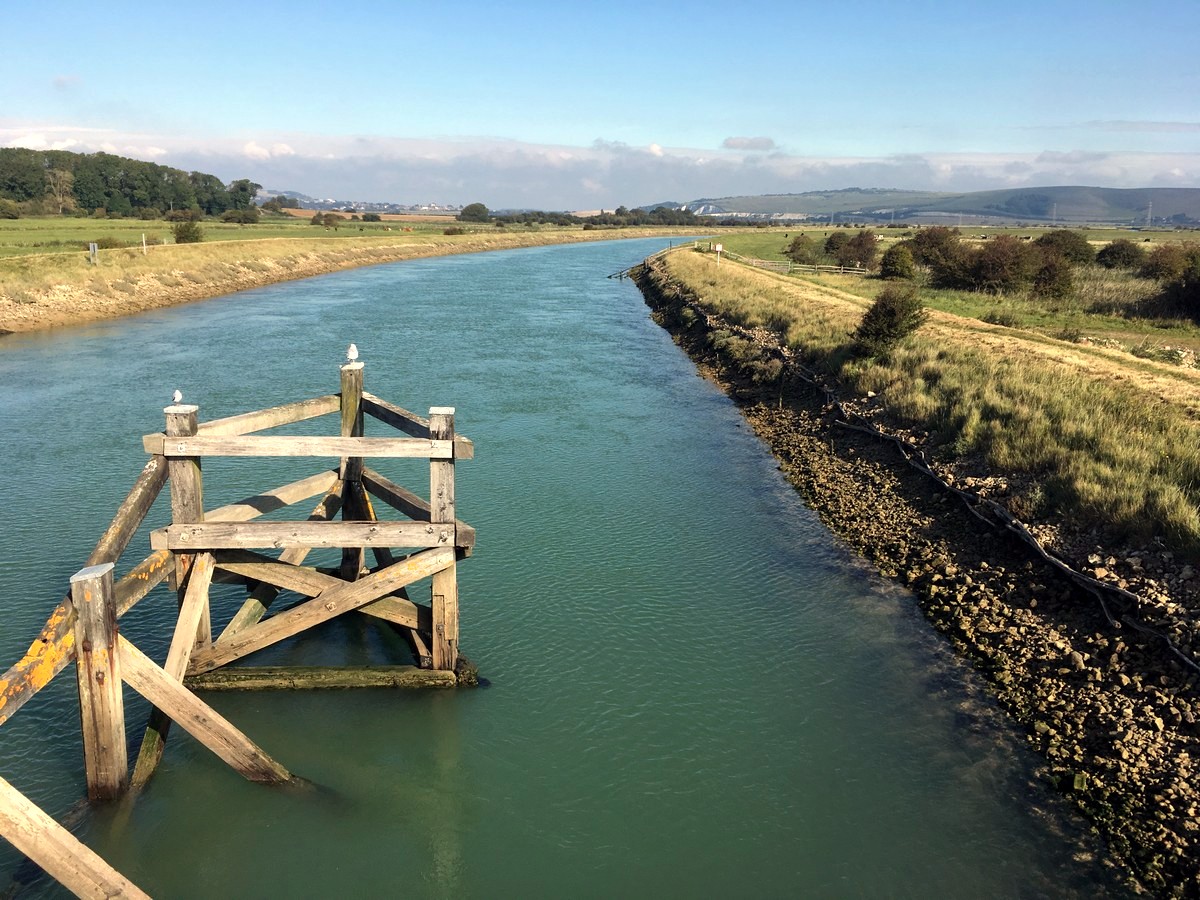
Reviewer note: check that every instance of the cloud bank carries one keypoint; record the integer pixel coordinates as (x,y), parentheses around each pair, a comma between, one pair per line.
(606,173)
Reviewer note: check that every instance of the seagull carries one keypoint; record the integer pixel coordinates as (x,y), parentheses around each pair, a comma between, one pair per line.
(352,352)
(177,397)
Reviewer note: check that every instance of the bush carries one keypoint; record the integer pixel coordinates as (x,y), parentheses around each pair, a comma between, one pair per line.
(1070,245)
(188,233)
(896,313)
(9,209)
(371,217)
(149,212)
(248,216)
(836,242)
(897,264)
(184,215)
(1165,262)
(1053,280)
(803,250)
(1121,254)
(1005,265)
(454,229)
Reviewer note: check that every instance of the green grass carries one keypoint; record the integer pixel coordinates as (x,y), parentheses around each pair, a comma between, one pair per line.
(1104,443)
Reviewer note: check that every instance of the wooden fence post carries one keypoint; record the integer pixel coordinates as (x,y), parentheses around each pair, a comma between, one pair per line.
(353,558)
(441,511)
(98,673)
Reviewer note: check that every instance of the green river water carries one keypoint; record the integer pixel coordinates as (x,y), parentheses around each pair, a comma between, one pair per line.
(694,690)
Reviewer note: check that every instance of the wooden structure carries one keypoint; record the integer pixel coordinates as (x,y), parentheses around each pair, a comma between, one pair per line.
(230,545)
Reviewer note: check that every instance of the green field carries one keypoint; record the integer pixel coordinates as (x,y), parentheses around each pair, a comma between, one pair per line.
(58,234)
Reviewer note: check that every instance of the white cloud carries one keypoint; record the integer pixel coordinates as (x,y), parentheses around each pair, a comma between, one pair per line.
(748,143)
(254,151)
(282,150)
(655,150)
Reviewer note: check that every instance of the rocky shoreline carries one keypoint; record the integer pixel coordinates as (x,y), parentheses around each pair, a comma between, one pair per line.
(1092,659)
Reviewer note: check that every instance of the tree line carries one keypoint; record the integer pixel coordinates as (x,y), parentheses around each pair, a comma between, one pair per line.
(59,182)
(619,218)
(1045,267)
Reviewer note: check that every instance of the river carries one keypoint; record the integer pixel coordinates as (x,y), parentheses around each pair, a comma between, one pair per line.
(694,691)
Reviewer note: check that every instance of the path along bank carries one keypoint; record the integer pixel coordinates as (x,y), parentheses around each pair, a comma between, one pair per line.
(1110,706)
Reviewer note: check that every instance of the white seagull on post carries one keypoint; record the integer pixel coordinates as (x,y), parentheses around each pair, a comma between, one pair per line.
(352,353)
(177,397)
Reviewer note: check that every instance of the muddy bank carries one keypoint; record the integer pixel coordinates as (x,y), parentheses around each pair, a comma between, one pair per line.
(1111,706)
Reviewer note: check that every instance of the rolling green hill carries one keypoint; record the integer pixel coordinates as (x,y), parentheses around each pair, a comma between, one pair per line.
(1076,204)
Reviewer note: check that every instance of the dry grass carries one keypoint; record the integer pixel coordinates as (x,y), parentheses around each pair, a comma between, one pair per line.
(1106,437)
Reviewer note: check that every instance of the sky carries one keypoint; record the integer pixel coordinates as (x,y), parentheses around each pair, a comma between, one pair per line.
(593,105)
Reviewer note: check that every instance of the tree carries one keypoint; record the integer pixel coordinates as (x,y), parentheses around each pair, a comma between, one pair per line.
(897,264)
(1165,262)
(60,186)
(1121,254)
(242,193)
(860,250)
(1070,245)
(835,242)
(473,212)
(896,313)
(371,217)
(803,250)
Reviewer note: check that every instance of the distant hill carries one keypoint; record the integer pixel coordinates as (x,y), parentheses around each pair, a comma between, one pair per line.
(1071,204)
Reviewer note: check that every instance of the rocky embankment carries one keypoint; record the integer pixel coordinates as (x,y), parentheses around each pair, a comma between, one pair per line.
(1087,648)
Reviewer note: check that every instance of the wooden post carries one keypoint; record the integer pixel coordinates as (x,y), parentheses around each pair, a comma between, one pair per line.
(72,864)
(352,466)
(441,511)
(187,501)
(98,673)
(187,506)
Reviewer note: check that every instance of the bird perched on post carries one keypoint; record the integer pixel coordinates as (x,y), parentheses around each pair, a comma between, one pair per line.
(177,397)
(352,353)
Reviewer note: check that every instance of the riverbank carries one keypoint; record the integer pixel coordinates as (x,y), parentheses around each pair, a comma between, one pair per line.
(55,290)
(1109,706)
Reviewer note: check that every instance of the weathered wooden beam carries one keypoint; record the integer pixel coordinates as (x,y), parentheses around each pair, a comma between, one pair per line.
(269,501)
(444,645)
(280,535)
(54,647)
(191,611)
(420,649)
(311,583)
(303,445)
(98,675)
(68,861)
(409,504)
(353,558)
(261,598)
(328,604)
(246,423)
(315,678)
(445,582)
(196,717)
(400,611)
(411,423)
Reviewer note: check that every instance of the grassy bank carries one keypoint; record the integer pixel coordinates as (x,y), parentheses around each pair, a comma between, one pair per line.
(46,290)
(1085,433)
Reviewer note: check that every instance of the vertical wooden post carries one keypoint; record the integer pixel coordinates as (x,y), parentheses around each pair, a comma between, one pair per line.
(352,466)
(98,673)
(441,511)
(187,501)
(187,506)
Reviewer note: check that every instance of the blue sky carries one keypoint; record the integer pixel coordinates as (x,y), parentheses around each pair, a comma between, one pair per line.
(565,106)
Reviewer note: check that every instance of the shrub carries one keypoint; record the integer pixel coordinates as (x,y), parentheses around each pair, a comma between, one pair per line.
(9,209)
(184,215)
(1070,245)
(896,313)
(188,233)
(248,216)
(149,212)
(1053,280)
(803,249)
(1121,254)
(897,264)
(1165,262)
(371,217)
(1005,265)
(836,242)
(454,229)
